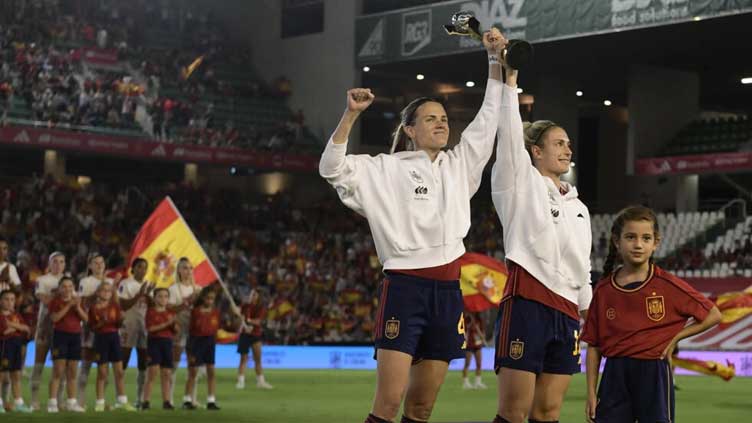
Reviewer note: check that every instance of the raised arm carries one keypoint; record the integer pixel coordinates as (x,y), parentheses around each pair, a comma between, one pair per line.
(332,162)
(513,166)
(477,140)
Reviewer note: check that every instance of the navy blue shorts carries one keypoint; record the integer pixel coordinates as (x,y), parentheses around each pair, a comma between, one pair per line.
(159,353)
(420,317)
(107,348)
(246,341)
(66,346)
(536,338)
(10,354)
(200,350)
(635,390)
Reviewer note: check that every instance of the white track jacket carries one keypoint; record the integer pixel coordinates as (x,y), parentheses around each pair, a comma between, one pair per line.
(546,233)
(418,210)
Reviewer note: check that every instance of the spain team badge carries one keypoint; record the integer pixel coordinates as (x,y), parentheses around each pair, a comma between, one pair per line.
(516,349)
(655,308)
(391,329)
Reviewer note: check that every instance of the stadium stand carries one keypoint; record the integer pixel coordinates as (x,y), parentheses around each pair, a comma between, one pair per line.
(717,135)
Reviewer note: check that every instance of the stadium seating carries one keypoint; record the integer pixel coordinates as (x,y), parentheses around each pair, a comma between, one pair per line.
(677,231)
(710,136)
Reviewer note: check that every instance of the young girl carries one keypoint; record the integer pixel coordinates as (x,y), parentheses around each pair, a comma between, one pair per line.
(87,288)
(162,327)
(200,347)
(636,319)
(476,336)
(66,314)
(13,335)
(250,338)
(133,293)
(183,293)
(105,318)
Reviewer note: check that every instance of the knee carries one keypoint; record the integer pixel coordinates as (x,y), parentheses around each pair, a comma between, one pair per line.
(418,409)
(388,407)
(513,414)
(546,411)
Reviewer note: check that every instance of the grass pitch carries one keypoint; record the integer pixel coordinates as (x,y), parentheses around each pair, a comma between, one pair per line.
(340,396)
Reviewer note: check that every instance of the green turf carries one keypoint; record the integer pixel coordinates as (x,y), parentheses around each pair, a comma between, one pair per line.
(345,396)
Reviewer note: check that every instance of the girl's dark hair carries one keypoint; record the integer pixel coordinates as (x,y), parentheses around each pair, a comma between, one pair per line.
(66,278)
(158,290)
(138,260)
(629,214)
(407,118)
(202,295)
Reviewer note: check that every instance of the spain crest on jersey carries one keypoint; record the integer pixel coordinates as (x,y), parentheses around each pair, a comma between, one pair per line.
(391,329)
(655,308)
(516,349)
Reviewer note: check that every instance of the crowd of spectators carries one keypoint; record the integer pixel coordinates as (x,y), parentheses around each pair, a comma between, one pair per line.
(42,56)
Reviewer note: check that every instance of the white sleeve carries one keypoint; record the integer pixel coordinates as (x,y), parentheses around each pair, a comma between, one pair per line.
(124,291)
(40,288)
(14,279)
(477,140)
(585,296)
(513,167)
(349,174)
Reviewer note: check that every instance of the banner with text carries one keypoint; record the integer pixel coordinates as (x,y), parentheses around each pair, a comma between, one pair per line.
(121,146)
(697,163)
(418,32)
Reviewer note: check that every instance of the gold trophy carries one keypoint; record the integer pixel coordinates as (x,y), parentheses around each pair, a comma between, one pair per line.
(518,53)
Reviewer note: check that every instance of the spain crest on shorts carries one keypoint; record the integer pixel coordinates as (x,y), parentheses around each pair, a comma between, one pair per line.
(516,349)
(656,308)
(391,328)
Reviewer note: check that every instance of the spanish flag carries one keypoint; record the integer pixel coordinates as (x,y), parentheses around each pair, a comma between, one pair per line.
(163,240)
(734,306)
(280,309)
(225,337)
(482,280)
(711,368)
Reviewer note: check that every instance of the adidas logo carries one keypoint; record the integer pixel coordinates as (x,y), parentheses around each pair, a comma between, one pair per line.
(22,136)
(159,151)
(421,190)
(374,45)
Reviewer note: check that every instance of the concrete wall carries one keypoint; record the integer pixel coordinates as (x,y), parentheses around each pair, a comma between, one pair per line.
(320,73)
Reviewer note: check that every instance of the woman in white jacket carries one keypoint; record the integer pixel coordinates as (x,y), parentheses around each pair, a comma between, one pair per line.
(547,238)
(417,203)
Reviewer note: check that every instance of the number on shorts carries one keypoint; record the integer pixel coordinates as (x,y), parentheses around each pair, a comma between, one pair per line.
(576,351)
(461,329)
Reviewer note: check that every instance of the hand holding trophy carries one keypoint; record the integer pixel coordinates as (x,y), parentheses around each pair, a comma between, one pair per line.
(517,54)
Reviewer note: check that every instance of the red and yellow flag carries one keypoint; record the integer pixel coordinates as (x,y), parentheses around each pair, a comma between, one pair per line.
(711,368)
(280,309)
(482,281)
(225,337)
(163,239)
(734,306)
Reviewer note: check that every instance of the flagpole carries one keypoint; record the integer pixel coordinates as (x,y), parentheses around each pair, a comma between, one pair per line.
(235,308)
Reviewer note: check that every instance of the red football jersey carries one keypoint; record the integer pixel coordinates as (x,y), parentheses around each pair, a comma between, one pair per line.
(204,323)
(154,317)
(108,316)
(641,322)
(253,312)
(12,317)
(71,322)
